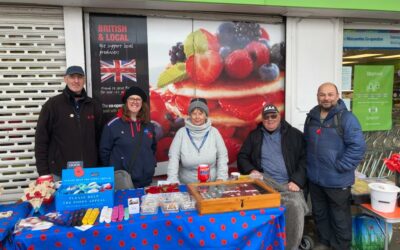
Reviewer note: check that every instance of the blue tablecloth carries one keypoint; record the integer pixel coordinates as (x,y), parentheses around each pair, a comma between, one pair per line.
(20,210)
(250,229)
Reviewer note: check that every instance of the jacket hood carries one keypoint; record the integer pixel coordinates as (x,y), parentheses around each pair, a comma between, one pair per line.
(315,112)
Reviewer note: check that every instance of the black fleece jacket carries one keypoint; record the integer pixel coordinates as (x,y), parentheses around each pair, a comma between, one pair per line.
(293,150)
(64,133)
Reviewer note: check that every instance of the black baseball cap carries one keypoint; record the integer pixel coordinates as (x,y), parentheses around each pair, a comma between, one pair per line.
(74,70)
(269,108)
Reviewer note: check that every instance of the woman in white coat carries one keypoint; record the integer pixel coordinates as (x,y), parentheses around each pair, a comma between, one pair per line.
(197,143)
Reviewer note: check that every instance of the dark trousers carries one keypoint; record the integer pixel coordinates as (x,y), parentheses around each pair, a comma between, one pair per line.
(331,209)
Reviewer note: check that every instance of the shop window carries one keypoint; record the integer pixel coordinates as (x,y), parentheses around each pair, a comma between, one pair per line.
(371,89)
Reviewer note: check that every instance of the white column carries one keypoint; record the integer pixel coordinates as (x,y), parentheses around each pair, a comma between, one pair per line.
(313,56)
(73,27)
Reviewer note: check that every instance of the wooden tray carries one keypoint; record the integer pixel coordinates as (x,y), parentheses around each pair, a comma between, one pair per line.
(219,203)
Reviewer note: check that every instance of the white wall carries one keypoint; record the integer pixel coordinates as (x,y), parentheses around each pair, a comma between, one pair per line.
(73,27)
(313,56)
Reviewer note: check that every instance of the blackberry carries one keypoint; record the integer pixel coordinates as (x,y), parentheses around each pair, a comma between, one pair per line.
(278,55)
(238,34)
(245,32)
(176,53)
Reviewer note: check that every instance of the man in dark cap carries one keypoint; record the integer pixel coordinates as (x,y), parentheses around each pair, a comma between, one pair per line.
(275,151)
(69,127)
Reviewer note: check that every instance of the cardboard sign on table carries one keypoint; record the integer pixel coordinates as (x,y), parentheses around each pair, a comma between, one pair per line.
(80,178)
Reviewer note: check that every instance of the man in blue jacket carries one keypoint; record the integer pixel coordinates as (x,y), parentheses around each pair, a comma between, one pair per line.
(335,146)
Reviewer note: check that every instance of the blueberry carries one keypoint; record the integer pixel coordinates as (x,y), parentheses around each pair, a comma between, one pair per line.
(268,72)
(242,41)
(265,42)
(224,51)
(226,33)
(179,122)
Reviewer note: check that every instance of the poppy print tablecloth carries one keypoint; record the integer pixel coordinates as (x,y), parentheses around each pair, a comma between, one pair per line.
(250,229)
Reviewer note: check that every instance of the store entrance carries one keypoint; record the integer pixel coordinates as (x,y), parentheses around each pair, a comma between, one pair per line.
(371,89)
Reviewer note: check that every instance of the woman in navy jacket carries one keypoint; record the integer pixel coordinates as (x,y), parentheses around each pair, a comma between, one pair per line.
(122,134)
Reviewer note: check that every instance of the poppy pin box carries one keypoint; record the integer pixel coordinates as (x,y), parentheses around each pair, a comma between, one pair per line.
(233,195)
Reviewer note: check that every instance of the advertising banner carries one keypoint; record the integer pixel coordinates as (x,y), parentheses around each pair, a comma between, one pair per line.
(372,97)
(236,66)
(119,59)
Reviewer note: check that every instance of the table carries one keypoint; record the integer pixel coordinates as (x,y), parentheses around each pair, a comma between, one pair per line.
(20,210)
(250,229)
(388,218)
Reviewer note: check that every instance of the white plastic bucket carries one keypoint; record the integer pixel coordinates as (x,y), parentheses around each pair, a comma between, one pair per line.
(383,196)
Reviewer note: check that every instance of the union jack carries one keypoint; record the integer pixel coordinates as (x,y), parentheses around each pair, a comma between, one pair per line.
(119,69)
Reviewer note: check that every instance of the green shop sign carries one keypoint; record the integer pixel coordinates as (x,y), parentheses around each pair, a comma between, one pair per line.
(372,96)
(382,5)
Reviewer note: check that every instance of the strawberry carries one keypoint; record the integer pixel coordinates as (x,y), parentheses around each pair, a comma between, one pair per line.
(156,102)
(182,102)
(233,146)
(264,34)
(158,111)
(259,53)
(204,68)
(163,148)
(167,96)
(238,64)
(212,40)
(199,42)
(244,108)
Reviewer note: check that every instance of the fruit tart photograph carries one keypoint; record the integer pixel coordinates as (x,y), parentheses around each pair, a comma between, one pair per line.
(236,66)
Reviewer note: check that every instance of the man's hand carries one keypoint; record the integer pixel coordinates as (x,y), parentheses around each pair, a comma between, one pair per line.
(254,174)
(293,187)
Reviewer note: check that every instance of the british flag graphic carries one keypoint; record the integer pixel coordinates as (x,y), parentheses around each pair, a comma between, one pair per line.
(119,69)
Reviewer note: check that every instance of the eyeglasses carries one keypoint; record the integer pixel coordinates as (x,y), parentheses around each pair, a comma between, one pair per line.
(270,117)
(134,100)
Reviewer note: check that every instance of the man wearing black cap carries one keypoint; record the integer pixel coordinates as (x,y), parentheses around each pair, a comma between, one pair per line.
(275,151)
(69,127)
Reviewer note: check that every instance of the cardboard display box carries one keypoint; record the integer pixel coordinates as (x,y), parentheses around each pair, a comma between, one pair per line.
(227,196)
(94,187)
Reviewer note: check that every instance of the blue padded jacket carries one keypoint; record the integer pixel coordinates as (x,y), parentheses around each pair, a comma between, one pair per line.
(332,158)
(117,145)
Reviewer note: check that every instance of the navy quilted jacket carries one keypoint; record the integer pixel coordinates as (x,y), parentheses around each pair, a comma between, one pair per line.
(117,144)
(331,158)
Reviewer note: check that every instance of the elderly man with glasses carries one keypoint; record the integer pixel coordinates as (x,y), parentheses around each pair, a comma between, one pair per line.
(275,151)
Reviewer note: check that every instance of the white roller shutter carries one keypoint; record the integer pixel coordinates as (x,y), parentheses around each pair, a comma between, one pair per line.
(32,62)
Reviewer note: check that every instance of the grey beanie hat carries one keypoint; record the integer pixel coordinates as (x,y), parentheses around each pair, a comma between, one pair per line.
(200,103)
